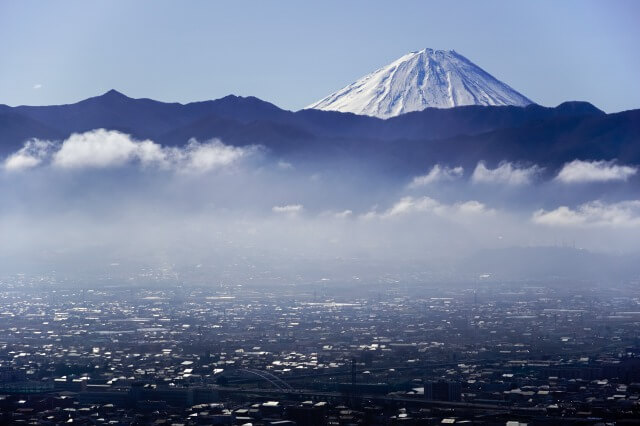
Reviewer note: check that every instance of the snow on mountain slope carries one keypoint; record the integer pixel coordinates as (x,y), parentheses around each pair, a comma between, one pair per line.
(419,80)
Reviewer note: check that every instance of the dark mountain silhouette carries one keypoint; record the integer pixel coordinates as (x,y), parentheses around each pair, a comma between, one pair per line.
(143,118)
(15,128)
(412,141)
(274,134)
(553,141)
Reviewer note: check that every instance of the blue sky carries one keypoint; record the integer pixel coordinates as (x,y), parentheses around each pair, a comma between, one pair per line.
(292,53)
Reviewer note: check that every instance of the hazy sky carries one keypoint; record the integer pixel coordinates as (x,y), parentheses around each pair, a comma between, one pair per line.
(292,53)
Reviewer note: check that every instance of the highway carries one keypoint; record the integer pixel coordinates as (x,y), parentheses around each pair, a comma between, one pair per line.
(381,399)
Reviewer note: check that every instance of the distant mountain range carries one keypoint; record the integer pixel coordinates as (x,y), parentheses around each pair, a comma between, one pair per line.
(404,144)
(420,80)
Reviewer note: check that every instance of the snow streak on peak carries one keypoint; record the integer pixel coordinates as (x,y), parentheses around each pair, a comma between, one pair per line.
(419,80)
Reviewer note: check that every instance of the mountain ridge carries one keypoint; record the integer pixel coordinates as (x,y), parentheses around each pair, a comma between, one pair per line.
(404,144)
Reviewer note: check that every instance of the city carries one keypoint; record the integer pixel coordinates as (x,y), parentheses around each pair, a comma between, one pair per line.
(490,353)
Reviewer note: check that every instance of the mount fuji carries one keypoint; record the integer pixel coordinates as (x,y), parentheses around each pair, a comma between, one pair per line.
(420,80)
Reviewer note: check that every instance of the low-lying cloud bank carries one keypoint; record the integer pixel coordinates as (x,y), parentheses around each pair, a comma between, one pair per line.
(512,174)
(506,173)
(428,205)
(101,149)
(596,213)
(437,174)
(108,148)
(132,199)
(579,171)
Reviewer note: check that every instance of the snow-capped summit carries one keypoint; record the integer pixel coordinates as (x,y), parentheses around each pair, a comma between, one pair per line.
(419,80)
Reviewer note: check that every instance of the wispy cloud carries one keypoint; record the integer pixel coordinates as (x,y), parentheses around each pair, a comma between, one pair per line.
(37,86)
(413,205)
(344,214)
(579,171)
(288,208)
(506,173)
(32,154)
(285,165)
(471,207)
(437,173)
(594,213)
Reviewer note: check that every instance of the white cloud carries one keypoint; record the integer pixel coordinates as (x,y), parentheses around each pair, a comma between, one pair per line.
(102,148)
(437,174)
(594,213)
(285,165)
(506,173)
(471,207)
(202,157)
(288,208)
(332,214)
(34,152)
(409,205)
(37,86)
(579,171)
(343,214)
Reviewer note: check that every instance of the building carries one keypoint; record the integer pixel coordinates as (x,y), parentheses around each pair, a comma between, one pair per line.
(442,391)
